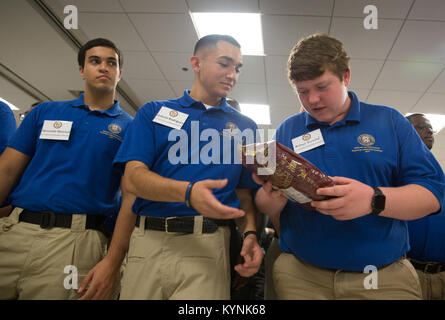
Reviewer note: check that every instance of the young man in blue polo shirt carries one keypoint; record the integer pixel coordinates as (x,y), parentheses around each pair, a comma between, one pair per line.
(57,172)
(180,246)
(426,235)
(383,175)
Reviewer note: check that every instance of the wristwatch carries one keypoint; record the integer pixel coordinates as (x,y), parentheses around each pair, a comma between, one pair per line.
(378,202)
(245,234)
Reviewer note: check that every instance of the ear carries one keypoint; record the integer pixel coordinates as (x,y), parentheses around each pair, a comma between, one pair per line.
(120,74)
(82,74)
(195,62)
(347,77)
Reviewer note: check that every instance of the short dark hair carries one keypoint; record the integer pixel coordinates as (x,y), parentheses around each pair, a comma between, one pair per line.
(98,42)
(212,40)
(411,117)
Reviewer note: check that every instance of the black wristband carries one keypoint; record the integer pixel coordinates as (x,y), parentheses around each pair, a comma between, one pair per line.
(187,194)
(245,234)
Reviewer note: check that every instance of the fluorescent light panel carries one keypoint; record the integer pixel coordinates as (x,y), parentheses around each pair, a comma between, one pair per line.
(10,105)
(260,113)
(437,121)
(244,27)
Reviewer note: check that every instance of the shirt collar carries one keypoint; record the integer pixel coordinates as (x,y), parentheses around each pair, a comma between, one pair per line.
(113,111)
(187,101)
(352,116)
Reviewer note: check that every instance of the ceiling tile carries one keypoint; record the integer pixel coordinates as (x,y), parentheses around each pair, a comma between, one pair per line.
(407,76)
(282,95)
(402,101)
(297,7)
(428,10)
(155,6)
(171,65)
(113,26)
(93,6)
(252,70)
(160,31)
(290,29)
(364,72)
(420,41)
(362,43)
(180,86)
(250,93)
(140,65)
(250,6)
(439,84)
(395,9)
(431,103)
(14,95)
(276,69)
(150,90)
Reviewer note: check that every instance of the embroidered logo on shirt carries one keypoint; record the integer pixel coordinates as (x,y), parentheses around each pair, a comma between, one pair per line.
(113,131)
(230,130)
(367,141)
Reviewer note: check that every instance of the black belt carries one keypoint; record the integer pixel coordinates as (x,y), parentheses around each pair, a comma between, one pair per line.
(428,267)
(185,224)
(49,219)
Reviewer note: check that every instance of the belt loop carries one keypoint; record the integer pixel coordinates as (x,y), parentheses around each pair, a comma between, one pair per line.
(78,222)
(142,224)
(197,226)
(15,214)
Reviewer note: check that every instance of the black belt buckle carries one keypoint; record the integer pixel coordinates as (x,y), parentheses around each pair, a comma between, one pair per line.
(48,220)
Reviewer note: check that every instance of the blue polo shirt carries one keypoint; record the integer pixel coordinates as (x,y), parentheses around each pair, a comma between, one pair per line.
(7,125)
(427,238)
(372,144)
(74,176)
(201,135)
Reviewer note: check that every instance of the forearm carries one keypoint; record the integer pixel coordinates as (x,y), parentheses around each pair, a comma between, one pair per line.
(122,232)
(12,165)
(148,185)
(248,222)
(409,202)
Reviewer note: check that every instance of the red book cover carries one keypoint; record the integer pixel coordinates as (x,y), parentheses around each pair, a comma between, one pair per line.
(295,176)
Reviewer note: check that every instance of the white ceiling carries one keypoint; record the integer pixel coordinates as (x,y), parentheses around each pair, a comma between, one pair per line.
(401,64)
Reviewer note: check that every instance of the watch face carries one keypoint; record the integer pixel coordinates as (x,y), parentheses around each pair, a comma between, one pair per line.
(379,202)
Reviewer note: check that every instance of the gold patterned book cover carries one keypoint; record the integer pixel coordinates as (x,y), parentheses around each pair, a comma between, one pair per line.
(295,176)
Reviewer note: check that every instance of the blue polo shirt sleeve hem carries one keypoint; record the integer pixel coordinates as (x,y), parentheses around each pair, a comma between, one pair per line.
(437,192)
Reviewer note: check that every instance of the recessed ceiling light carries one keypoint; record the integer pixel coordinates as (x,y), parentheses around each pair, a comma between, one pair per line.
(244,27)
(437,121)
(260,113)
(10,105)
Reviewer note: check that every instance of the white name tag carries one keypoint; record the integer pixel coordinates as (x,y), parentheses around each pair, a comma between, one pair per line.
(308,141)
(56,130)
(170,118)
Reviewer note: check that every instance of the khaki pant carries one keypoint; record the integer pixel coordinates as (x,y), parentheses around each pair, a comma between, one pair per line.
(272,254)
(433,285)
(296,279)
(38,263)
(163,265)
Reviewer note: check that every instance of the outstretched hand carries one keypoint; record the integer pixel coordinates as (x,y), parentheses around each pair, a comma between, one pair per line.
(203,200)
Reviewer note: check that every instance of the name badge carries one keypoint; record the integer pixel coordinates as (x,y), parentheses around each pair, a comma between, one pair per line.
(308,141)
(170,118)
(56,130)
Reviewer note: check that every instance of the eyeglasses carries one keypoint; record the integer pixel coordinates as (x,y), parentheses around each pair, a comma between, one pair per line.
(425,128)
